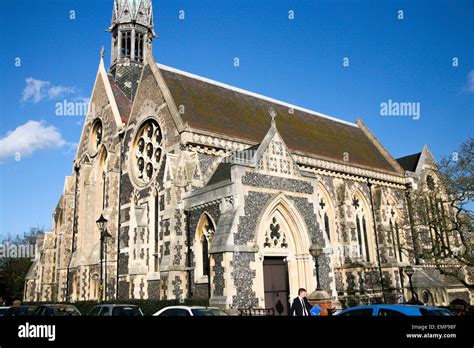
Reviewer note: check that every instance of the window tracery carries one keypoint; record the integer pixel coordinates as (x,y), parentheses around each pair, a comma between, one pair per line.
(147,151)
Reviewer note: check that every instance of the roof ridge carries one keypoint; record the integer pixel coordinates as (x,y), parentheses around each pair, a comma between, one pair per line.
(253,94)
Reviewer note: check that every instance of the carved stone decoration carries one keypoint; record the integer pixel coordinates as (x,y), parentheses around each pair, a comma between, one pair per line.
(209,232)
(277,160)
(274,236)
(227,203)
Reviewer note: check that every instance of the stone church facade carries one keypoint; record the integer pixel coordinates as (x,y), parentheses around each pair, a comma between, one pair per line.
(211,191)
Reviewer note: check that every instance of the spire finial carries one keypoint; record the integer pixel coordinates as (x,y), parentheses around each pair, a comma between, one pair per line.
(102,52)
(273,114)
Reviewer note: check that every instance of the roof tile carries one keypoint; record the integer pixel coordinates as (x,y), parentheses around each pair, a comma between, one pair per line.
(214,108)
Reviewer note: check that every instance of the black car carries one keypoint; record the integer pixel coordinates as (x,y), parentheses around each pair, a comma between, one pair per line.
(20,311)
(3,310)
(120,310)
(57,310)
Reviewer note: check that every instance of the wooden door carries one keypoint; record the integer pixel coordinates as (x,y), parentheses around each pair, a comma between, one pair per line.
(276,287)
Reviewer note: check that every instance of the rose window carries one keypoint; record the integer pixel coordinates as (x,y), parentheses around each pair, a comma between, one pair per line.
(147,151)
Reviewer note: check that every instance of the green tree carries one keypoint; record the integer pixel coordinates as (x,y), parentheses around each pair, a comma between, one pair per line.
(443,214)
(13,270)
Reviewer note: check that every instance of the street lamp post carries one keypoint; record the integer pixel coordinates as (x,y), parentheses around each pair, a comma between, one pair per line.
(102,224)
(409,271)
(316,250)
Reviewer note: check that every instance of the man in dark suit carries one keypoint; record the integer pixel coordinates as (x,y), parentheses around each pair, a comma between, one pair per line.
(301,306)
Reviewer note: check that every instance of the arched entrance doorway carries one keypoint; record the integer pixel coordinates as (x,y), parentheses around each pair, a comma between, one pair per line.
(283,260)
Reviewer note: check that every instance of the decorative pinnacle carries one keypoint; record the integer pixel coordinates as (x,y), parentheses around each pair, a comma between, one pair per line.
(273,114)
(102,52)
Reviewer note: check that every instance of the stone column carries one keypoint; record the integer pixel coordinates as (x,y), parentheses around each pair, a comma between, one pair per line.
(119,47)
(132,46)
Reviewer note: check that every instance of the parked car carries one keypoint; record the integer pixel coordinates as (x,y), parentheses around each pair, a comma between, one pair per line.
(394,310)
(60,310)
(186,311)
(3,310)
(20,311)
(120,310)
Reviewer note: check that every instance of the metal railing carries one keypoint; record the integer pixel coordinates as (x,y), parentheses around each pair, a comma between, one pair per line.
(257,312)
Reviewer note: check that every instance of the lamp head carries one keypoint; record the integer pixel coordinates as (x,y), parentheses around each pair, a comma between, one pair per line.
(409,270)
(102,222)
(315,250)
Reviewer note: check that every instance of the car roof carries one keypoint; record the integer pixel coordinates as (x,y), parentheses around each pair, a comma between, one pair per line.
(115,305)
(189,307)
(57,305)
(400,307)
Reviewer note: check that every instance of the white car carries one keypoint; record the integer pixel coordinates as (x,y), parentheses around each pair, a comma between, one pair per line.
(186,311)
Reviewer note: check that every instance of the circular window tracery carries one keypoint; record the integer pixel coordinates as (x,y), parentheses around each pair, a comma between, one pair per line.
(147,151)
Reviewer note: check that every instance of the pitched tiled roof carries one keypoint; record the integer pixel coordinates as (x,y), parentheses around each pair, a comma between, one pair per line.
(431,278)
(409,162)
(123,103)
(226,110)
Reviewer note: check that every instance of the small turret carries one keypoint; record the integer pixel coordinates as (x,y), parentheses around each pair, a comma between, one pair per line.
(132,35)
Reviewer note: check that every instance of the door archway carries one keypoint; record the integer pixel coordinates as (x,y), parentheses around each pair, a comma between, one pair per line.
(283,257)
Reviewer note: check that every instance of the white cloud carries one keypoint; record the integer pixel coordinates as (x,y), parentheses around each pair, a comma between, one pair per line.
(82,100)
(30,137)
(37,90)
(56,92)
(470,82)
(34,90)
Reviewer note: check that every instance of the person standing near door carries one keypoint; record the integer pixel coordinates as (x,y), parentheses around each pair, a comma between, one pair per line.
(301,306)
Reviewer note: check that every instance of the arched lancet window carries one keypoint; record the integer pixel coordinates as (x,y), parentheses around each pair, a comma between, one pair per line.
(430,183)
(139,39)
(436,215)
(427,297)
(366,241)
(326,213)
(75,286)
(103,177)
(396,235)
(98,198)
(204,235)
(94,286)
(205,255)
(126,44)
(326,225)
(96,137)
(360,211)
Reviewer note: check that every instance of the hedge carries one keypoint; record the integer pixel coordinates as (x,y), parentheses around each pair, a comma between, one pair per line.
(149,307)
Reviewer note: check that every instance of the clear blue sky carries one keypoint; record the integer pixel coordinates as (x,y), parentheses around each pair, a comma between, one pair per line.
(298,61)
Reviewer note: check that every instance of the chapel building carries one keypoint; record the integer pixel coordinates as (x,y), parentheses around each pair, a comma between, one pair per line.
(211,191)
